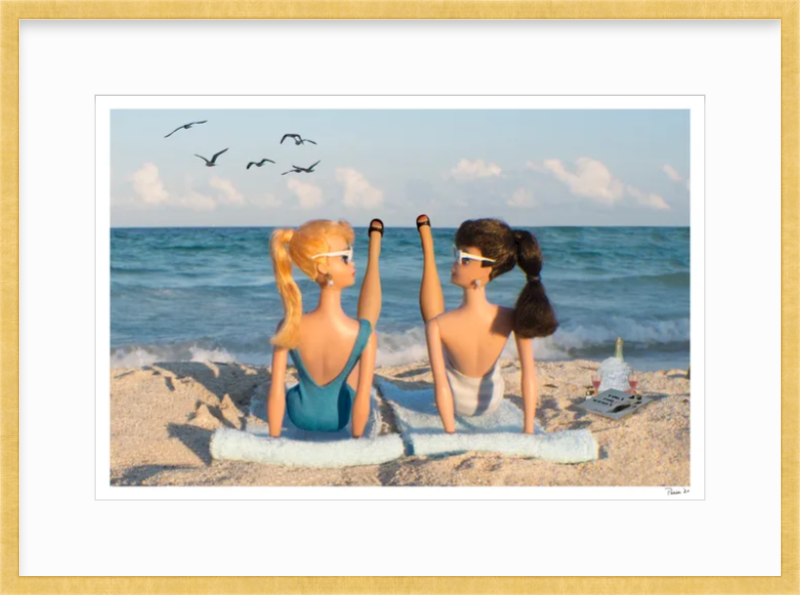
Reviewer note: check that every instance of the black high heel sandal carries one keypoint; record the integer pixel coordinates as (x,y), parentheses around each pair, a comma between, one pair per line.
(372,227)
(426,222)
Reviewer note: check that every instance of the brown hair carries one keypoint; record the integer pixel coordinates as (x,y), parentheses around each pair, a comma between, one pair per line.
(297,246)
(533,314)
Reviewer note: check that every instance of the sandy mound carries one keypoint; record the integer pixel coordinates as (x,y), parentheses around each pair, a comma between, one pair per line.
(162,417)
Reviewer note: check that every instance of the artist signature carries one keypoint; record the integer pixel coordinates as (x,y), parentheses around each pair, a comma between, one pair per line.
(676,491)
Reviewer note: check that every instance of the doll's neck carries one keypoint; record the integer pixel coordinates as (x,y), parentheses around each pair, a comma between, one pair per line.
(475,297)
(330,301)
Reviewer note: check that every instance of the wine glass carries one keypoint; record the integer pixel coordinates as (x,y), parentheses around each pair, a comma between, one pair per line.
(633,380)
(596,382)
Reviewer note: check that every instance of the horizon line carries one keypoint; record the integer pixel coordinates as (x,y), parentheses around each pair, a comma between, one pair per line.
(359,226)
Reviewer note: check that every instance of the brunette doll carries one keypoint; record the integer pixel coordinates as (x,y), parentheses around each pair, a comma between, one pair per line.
(464,345)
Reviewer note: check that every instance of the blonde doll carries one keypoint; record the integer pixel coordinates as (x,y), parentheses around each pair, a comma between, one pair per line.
(334,354)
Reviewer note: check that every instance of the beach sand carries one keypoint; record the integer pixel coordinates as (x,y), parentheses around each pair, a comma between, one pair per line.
(162,417)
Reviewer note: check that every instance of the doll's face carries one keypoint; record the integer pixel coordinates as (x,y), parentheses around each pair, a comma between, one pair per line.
(466,270)
(340,267)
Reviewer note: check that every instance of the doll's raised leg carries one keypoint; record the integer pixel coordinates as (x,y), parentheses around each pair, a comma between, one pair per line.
(369,300)
(431,298)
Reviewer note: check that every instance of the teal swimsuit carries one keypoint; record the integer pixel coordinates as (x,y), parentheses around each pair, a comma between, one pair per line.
(325,408)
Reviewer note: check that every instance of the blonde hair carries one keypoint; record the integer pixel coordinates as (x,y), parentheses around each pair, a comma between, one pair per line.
(297,246)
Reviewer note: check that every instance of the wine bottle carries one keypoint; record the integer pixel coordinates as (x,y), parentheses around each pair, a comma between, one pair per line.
(618,350)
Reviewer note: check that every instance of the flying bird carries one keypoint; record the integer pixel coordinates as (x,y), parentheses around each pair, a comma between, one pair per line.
(298,140)
(187,126)
(299,170)
(213,159)
(259,163)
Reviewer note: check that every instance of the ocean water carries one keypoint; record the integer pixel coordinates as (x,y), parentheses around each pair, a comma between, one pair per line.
(208,294)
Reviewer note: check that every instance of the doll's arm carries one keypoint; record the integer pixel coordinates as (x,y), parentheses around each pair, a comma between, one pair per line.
(528,383)
(366,372)
(441,387)
(276,401)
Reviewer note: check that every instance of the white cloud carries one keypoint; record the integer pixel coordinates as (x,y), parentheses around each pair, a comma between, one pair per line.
(593,180)
(522,198)
(228,194)
(358,192)
(267,201)
(672,174)
(536,166)
(150,191)
(590,179)
(148,185)
(654,201)
(472,170)
(195,201)
(310,195)
(675,176)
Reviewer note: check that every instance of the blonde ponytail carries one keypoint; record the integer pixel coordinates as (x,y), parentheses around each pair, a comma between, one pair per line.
(297,247)
(289,334)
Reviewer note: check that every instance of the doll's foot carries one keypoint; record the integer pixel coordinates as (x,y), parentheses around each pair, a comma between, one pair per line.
(375,225)
(425,235)
(423,220)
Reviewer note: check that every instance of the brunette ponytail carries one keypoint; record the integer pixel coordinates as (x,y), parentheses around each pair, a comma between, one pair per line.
(533,314)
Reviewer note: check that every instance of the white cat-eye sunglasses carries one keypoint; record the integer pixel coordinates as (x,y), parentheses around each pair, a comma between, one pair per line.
(463,257)
(347,254)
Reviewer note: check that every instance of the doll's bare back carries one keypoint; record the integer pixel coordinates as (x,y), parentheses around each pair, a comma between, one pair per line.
(475,338)
(325,346)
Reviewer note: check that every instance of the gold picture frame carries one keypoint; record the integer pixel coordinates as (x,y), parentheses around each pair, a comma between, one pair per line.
(12,11)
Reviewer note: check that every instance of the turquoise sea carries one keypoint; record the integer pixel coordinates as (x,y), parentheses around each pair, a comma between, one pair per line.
(184,294)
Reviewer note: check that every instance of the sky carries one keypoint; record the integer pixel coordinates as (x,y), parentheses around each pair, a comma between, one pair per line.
(528,167)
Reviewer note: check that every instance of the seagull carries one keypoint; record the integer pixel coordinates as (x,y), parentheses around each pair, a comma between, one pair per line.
(298,140)
(259,163)
(213,159)
(187,126)
(299,170)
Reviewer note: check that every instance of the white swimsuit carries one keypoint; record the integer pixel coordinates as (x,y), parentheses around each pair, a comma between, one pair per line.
(475,396)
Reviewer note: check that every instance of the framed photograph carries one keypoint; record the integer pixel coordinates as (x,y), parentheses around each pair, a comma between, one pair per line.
(181,257)
(173,175)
